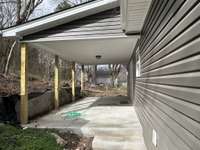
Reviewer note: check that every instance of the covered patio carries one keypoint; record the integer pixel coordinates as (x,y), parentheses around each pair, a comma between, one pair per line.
(98,32)
(159,43)
(112,121)
(93,33)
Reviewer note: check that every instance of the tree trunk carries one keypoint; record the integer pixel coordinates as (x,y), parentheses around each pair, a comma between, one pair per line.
(8,58)
(95,75)
(113,81)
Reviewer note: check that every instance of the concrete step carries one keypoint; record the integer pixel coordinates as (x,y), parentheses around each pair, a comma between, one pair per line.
(117,143)
(111,131)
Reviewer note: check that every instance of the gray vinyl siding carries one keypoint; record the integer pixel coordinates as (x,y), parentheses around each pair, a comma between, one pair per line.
(168,90)
(103,24)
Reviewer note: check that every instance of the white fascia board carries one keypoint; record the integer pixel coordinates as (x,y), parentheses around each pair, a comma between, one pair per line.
(60,18)
(43,40)
(127,17)
(123,7)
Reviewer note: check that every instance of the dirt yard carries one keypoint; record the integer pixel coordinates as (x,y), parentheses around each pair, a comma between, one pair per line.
(9,85)
(103,91)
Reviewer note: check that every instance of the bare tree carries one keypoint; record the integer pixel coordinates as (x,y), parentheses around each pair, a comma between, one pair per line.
(76,2)
(65,4)
(7,11)
(115,70)
(15,12)
(89,72)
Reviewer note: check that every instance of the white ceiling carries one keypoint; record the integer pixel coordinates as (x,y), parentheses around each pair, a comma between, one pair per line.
(112,50)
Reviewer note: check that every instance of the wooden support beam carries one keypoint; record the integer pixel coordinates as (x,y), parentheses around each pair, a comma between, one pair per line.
(95,74)
(24,84)
(73,81)
(56,83)
(82,78)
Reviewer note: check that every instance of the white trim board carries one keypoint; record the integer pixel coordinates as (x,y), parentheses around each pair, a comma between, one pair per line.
(41,40)
(133,14)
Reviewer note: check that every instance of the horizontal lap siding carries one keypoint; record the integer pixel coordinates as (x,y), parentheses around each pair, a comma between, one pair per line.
(168,90)
(99,25)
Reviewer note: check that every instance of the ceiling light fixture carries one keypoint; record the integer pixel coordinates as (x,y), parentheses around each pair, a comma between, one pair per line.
(98,56)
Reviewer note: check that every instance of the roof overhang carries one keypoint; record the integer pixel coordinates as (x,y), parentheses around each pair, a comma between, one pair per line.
(113,49)
(60,18)
(133,14)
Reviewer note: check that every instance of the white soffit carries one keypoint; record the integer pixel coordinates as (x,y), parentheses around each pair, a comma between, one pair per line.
(60,18)
(113,50)
(133,14)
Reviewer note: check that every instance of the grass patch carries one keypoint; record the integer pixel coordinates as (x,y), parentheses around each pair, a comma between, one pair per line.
(12,138)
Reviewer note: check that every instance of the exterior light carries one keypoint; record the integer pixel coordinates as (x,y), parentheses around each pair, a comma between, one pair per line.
(98,56)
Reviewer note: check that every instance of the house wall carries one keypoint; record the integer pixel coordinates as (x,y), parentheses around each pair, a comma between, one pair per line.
(168,90)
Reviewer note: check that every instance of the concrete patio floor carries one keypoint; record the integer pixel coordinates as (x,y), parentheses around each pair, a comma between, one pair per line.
(110,120)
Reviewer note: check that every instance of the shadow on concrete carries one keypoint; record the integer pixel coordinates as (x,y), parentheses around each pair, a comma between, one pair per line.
(112,101)
(86,103)
(91,112)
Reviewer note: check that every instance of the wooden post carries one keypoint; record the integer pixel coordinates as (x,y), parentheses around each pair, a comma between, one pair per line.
(24,84)
(82,78)
(56,83)
(73,81)
(95,74)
